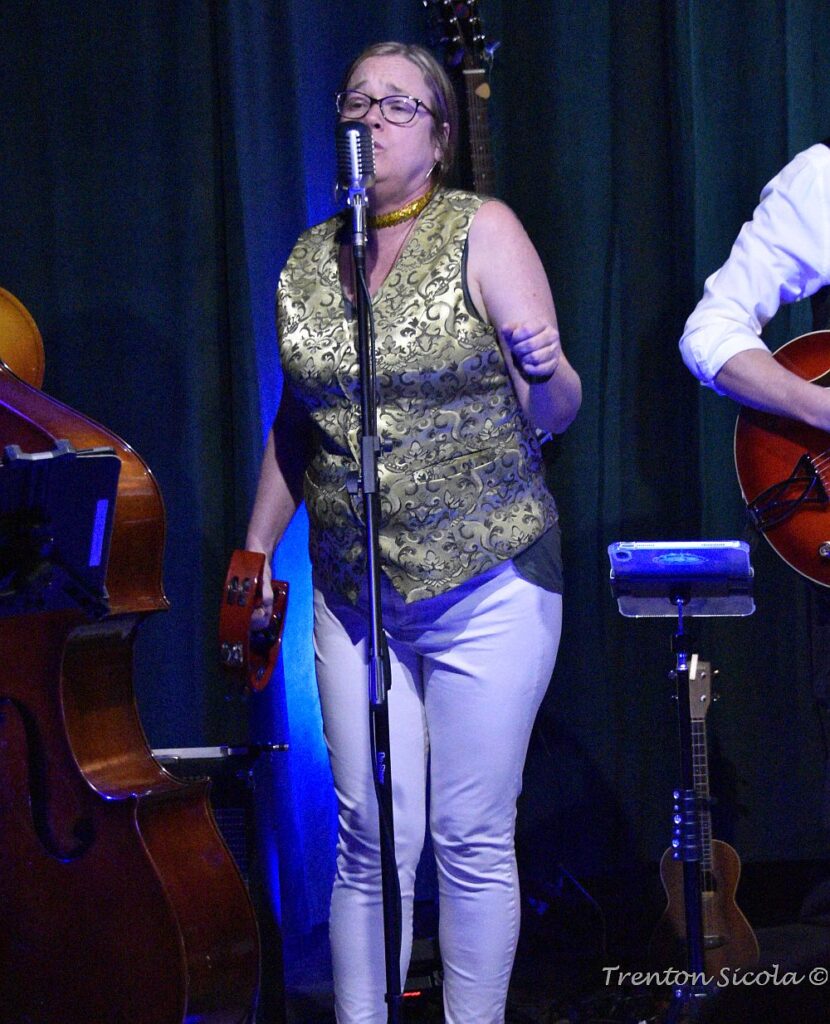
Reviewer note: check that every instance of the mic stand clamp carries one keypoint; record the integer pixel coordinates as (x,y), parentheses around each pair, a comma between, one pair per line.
(379,676)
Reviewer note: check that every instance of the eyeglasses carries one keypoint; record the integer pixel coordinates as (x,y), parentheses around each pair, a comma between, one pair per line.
(353,105)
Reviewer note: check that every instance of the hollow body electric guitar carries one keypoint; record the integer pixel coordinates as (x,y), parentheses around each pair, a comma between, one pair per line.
(728,939)
(783,468)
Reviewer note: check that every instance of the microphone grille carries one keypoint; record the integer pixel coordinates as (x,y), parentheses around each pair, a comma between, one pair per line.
(355,155)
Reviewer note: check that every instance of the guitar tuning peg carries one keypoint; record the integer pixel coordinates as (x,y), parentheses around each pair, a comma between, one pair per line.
(492,47)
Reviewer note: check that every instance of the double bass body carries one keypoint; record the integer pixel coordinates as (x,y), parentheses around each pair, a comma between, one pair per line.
(120,902)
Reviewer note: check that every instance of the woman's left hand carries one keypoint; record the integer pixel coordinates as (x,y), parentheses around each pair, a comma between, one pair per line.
(509,288)
(535,347)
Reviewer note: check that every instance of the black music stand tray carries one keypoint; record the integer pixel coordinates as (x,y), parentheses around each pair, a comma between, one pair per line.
(57,510)
(684,579)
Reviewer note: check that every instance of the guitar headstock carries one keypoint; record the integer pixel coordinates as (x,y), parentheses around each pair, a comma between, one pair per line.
(457,27)
(700,687)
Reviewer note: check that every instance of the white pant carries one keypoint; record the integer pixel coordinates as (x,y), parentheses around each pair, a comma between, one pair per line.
(469,669)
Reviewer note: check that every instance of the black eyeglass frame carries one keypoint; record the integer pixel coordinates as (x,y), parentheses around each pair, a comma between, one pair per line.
(338,99)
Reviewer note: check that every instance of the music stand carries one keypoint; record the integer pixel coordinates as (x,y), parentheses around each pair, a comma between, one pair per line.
(56,516)
(683,579)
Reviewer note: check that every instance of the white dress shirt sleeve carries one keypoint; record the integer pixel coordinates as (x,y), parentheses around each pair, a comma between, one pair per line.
(781,255)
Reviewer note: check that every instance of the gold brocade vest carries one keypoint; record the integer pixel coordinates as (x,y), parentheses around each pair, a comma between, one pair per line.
(460,471)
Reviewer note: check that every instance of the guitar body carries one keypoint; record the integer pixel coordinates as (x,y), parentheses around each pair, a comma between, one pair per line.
(767,450)
(728,939)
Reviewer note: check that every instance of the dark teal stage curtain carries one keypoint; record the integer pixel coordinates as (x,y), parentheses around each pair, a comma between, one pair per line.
(158,160)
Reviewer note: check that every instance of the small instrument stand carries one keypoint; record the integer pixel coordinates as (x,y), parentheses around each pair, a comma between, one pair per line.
(684,579)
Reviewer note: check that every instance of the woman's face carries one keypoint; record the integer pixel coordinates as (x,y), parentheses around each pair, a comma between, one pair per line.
(404,154)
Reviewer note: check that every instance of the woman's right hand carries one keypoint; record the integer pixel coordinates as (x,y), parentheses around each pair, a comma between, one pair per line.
(279,492)
(261,616)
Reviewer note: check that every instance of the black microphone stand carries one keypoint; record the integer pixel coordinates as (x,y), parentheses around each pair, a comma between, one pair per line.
(379,669)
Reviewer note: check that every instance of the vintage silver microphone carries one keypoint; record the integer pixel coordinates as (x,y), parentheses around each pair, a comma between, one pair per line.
(355,173)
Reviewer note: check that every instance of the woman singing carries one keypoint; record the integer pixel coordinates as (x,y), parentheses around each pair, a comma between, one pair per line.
(470,366)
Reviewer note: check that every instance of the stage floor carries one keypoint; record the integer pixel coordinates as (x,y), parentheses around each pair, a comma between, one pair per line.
(573,934)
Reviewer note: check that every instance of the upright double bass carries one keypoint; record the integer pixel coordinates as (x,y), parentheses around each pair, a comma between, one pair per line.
(119,902)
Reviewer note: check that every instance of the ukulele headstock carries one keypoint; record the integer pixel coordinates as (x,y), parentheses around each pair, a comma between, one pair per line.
(700,687)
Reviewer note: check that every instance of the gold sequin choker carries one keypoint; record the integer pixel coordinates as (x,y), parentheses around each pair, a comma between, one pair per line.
(386,220)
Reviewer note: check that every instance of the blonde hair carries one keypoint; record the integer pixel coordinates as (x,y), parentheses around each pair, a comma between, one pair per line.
(443,103)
